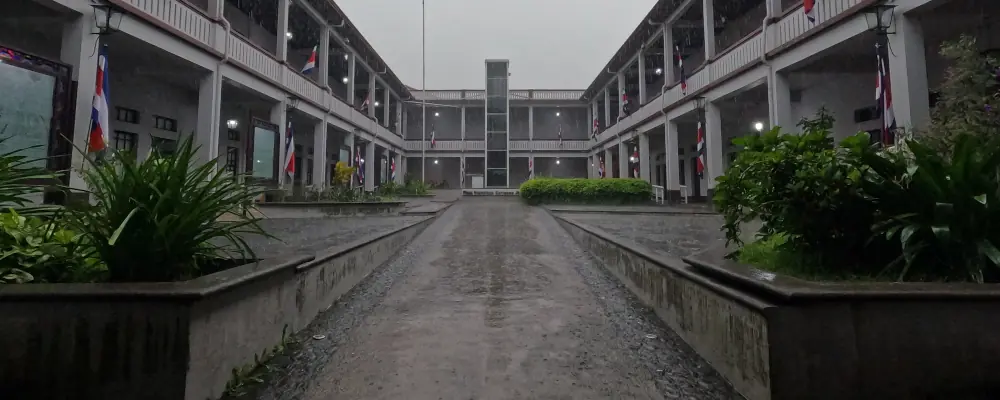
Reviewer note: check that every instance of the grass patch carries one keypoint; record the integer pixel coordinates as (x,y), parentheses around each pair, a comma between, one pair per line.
(773,255)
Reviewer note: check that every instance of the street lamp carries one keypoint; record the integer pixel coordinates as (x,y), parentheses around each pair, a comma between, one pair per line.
(107,17)
(232,123)
(879,18)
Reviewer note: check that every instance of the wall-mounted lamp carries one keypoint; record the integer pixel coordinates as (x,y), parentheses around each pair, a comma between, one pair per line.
(880,18)
(346,56)
(232,124)
(377,104)
(558,113)
(345,79)
(758,126)
(437,114)
(293,103)
(435,161)
(288,35)
(658,71)
(557,161)
(700,103)
(107,17)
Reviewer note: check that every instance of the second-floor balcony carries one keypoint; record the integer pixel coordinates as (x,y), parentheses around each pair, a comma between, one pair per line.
(515,145)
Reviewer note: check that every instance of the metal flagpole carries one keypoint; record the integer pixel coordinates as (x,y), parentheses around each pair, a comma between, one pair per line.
(423,88)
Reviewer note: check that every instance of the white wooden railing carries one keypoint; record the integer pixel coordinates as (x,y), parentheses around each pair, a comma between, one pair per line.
(658,194)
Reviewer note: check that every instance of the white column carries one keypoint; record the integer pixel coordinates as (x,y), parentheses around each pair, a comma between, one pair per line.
(350,156)
(708,16)
(781,102)
(642,78)
(77,47)
(371,95)
(623,152)
(279,116)
(672,159)
(282,48)
(397,158)
(319,155)
(463,125)
(403,117)
(908,74)
(645,164)
(214,8)
(352,69)
(621,86)
(608,163)
(209,110)
(399,117)
(531,123)
(668,54)
(370,166)
(385,106)
(607,107)
(713,141)
(324,56)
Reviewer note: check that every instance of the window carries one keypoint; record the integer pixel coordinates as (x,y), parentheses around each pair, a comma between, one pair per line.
(233,135)
(164,123)
(164,146)
(125,142)
(265,142)
(128,115)
(232,159)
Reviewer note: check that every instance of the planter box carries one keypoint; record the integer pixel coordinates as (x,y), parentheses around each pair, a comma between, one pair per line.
(321,209)
(779,338)
(170,341)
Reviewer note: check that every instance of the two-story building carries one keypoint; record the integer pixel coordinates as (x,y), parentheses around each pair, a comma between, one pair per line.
(238,75)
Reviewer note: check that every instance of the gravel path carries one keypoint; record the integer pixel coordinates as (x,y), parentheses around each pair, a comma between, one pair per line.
(676,235)
(493,301)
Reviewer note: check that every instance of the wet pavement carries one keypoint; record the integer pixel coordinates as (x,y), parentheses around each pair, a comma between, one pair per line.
(677,235)
(494,300)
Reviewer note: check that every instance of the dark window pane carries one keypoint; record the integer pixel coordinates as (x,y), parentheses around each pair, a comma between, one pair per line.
(496,159)
(496,141)
(496,178)
(496,123)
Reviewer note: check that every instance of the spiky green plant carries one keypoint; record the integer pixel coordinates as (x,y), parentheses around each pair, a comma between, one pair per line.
(159,219)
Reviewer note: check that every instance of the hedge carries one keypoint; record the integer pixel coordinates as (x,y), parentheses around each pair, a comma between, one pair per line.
(580,190)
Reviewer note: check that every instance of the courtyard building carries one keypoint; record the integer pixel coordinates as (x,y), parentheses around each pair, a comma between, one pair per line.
(239,79)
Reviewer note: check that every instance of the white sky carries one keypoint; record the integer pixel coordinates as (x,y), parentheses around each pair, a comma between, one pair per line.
(551,44)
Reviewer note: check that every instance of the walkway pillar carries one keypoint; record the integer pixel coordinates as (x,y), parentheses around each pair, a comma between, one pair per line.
(370,95)
(397,158)
(607,107)
(672,160)
(78,45)
(642,78)
(209,110)
(609,167)
(780,103)
(645,162)
(623,159)
(352,70)
(319,155)
(714,146)
(531,124)
(668,54)
(282,45)
(324,56)
(908,74)
(370,166)
(708,18)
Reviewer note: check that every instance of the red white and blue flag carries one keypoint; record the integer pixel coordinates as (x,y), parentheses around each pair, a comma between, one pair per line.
(560,134)
(809,8)
(99,127)
(701,151)
(368,102)
(392,170)
(531,167)
(433,140)
(289,152)
(600,168)
(597,127)
(623,105)
(883,95)
(359,164)
(310,63)
(680,65)
(635,168)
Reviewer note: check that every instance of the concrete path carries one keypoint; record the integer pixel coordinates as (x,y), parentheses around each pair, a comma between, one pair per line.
(493,301)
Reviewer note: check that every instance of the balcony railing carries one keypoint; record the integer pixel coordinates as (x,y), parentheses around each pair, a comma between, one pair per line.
(515,145)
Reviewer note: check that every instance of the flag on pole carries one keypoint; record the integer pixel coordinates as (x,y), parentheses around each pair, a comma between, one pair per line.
(883,97)
(680,64)
(701,151)
(289,152)
(560,134)
(359,164)
(635,168)
(311,62)
(531,167)
(809,8)
(433,140)
(392,170)
(600,168)
(367,102)
(99,127)
(597,127)
(623,106)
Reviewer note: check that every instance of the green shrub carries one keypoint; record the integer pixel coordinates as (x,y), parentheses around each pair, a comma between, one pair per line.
(802,186)
(582,190)
(943,211)
(156,220)
(38,250)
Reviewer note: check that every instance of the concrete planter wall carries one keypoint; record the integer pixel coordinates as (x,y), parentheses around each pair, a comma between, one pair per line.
(320,209)
(170,341)
(782,339)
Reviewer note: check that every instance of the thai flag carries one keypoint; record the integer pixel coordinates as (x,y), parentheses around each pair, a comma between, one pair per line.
(680,64)
(99,127)
(367,102)
(623,106)
(311,63)
(531,168)
(701,151)
(809,6)
(635,155)
(359,164)
(883,97)
(597,127)
(433,141)
(392,170)
(560,134)
(600,168)
(289,152)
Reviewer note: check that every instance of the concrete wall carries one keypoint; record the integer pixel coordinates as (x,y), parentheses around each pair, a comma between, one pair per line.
(170,341)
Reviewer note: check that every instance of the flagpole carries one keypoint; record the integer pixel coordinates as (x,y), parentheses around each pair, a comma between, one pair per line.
(423,89)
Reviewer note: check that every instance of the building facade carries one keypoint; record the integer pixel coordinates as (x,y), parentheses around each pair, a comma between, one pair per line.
(236,76)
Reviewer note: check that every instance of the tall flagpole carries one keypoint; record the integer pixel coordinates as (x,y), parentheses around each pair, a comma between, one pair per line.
(423,88)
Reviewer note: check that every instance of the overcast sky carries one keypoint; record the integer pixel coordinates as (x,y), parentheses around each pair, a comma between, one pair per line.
(551,44)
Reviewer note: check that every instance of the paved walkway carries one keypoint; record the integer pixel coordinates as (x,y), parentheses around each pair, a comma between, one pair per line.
(493,301)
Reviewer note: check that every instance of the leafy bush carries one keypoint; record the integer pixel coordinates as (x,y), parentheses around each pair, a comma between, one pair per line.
(943,211)
(802,186)
(158,219)
(38,250)
(342,173)
(582,190)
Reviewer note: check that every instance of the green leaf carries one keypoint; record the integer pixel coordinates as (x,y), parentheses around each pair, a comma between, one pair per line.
(121,227)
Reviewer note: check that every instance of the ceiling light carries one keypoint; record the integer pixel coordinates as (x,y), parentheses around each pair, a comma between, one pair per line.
(377,104)
(758,126)
(557,161)
(345,79)
(659,71)
(435,161)
(437,114)
(557,113)
(232,123)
